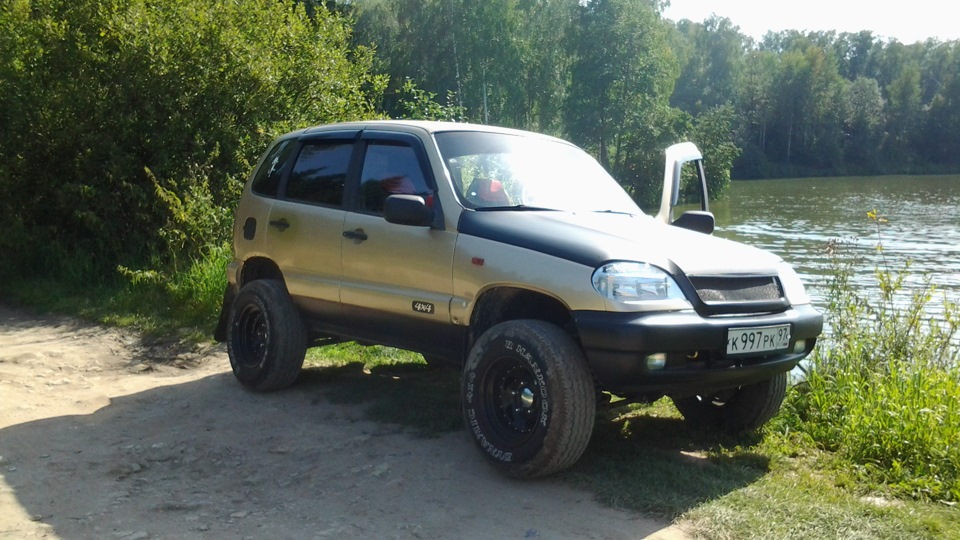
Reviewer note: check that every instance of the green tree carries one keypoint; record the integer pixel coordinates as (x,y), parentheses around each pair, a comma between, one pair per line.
(712,131)
(805,130)
(548,28)
(711,73)
(473,49)
(622,76)
(864,123)
(904,111)
(755,105)
(856,54)
(942,126)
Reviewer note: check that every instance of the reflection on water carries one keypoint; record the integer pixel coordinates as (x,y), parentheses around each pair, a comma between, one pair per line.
(796,218)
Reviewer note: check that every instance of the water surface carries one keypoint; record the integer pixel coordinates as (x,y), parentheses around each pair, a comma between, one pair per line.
(796,218)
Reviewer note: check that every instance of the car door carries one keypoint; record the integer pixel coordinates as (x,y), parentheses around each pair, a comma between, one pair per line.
(306,222)
(397,279)
(685,189)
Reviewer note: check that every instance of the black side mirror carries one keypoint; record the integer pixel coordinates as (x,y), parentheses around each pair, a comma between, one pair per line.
(696,220)
(407,210)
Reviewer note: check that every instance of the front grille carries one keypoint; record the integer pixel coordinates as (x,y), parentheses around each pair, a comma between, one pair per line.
(737,289)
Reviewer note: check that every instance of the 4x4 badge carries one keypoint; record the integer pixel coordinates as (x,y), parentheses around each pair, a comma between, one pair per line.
(423,307)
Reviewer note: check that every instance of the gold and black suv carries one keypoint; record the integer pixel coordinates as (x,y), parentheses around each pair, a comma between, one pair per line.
(517,258)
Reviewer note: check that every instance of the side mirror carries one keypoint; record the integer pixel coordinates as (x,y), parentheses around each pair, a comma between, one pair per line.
(407,210)
(696,220)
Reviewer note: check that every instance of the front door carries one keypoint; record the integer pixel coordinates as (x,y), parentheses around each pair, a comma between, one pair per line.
(398,278)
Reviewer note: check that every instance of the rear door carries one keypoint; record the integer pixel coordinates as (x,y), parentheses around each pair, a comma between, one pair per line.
(306,223)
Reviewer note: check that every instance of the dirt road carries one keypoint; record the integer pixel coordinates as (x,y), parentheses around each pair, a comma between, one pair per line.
(102,437)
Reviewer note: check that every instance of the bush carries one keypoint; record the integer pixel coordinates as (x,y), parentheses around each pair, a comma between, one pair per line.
(884,391)
(95,93)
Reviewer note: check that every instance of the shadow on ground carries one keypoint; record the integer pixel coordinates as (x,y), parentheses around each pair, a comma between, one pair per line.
(208,459)
(637,461)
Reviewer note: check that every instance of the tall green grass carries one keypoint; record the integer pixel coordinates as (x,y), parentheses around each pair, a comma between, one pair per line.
(180,287)
(884,391)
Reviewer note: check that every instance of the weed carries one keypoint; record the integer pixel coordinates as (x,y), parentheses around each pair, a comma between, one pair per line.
(884,393)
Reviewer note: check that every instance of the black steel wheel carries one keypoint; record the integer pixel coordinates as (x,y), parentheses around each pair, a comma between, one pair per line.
(266,340)
(528,398)
(737,410)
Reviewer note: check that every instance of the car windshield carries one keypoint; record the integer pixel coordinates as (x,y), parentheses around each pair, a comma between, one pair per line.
(512,172)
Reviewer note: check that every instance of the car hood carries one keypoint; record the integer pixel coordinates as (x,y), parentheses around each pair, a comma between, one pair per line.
(596,238)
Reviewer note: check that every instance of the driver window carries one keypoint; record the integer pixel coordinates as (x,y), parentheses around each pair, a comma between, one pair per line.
(390,169)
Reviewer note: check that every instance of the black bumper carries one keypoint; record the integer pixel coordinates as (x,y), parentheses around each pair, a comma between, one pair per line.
(617,344)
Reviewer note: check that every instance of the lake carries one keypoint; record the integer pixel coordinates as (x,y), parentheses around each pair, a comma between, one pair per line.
(795,218)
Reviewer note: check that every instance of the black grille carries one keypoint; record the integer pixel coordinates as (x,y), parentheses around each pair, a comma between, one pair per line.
(737,289)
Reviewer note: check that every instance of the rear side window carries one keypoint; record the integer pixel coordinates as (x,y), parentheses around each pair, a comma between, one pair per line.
(390,169)
(267,180)
(320,172)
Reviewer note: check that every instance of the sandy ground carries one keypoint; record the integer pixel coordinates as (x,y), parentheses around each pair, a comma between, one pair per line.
(104,437)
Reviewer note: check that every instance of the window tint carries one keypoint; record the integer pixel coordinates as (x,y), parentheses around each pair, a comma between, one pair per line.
(320,172)
(267,179)
(390,169)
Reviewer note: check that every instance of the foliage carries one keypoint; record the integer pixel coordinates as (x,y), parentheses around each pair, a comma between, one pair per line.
(884,391)
(93,94)
(473,50)
(599,73)
(422,105)
(622,73)
(190,268)
(711,132)
(713,59)
(836,104)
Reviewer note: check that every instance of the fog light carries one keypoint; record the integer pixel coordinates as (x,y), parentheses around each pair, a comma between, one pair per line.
(656,361)
(800,346)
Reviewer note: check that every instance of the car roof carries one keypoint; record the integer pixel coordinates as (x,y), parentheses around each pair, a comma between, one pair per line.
(427,126)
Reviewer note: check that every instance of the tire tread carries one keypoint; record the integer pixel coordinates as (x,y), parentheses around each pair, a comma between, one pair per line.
(287,349)
(573,401)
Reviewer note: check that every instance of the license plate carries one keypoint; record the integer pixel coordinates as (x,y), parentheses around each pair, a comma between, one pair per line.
(758,339)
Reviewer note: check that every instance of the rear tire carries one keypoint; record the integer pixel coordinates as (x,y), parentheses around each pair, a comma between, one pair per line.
(528,398)
(747,408)
(266,339)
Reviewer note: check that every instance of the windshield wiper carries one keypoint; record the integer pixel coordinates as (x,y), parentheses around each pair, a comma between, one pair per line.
(519,208)
(613,212)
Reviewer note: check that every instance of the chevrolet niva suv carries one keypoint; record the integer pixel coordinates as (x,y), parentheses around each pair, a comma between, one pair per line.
(516,257)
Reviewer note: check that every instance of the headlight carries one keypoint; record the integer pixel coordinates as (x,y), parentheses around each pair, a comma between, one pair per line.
(792,286)
(631,282)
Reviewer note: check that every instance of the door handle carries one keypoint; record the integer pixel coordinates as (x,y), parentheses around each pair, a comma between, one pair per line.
(281,224)
(357,234)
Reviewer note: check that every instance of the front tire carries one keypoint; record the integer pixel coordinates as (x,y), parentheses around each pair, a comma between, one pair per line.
(266,339)
(744,409)
(528,398)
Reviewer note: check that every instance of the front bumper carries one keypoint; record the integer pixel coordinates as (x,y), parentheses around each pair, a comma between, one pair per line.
(617,344)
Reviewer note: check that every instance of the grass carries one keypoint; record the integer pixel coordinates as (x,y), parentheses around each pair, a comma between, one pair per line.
(644,458)
(779,484)
(885,392)
(769,486)
(867,447)
(186,303)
